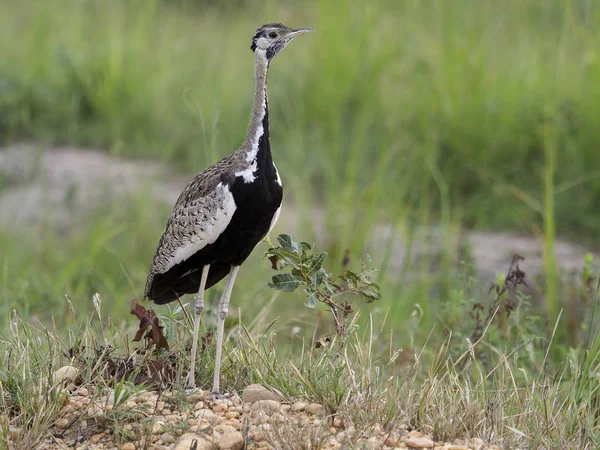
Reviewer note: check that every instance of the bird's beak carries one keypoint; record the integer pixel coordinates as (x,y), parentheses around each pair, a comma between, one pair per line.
(298,32)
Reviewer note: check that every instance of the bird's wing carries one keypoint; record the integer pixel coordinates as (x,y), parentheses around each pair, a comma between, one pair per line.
(201,214)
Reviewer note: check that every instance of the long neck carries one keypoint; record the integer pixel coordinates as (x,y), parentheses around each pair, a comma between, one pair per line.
(259,122)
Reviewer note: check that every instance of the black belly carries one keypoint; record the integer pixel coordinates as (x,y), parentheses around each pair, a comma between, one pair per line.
(256,204)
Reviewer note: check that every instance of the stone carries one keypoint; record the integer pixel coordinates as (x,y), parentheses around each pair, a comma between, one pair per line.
(128,446)
(62,423)
(392,439)
(419,442)
(457,447)
(477,443)
(195,396)
(157,427)
(96,437)
(299,406)
(268,406)
(221,430)
(167,438)
(231,441)
(256,392)
(199,405)
(314,408)
(193,440)
(205,414)
(220,407)
(65,375)
(232,414)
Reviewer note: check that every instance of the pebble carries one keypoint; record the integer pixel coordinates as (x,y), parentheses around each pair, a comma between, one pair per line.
(231,441)
(206,414)
(157,427)
(199,405)
(314,408)
(256,392)
(299,406)
(232,414)
(220,407)
(266,405)
(167,438)
(62,423)
(65,374)
(186,442)
(128,446)
(392,440)
(419,442)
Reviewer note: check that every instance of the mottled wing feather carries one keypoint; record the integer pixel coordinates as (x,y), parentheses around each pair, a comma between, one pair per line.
(201,214)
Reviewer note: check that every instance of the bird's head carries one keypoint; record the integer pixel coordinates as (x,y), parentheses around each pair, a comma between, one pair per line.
(272,37)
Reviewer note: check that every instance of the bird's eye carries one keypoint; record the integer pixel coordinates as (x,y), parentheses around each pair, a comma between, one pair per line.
(272,35)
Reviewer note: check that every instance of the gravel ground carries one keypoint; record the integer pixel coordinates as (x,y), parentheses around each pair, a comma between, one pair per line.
(258,419)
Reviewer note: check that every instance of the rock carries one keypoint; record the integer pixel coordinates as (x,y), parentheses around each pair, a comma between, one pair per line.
(195,396)
(220,407)
(65,375)
(314,408)
(199,405)
(186,442)
(205,414)
(299,406)
(157,427)
(256,392)
(167,438)
(232,414)
(392,439)
(231,441)
(268,406)
(260,417)
(96,437)
(62,423)
(221,430)
(457,447)
(128,446)
(419,442)
(477,443)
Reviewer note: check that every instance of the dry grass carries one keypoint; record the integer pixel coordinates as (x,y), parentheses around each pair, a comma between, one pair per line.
(367,385)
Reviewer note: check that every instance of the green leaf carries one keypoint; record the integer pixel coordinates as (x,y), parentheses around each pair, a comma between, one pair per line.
(285,282)
(285,240)
(317,277)
(370,292)
(352,279)
(314,262)
(312,300)
(305,246)
(289,244)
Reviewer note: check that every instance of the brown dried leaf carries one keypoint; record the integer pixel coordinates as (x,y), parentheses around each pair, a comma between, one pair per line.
(149,326)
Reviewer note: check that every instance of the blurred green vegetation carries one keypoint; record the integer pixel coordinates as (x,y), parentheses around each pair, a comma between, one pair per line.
(395,106)
(466,113)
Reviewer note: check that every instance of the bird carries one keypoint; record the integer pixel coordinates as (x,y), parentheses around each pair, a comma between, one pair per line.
(224,212)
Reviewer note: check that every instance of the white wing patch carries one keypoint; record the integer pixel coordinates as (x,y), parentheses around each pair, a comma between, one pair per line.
(248,173)
(200,224)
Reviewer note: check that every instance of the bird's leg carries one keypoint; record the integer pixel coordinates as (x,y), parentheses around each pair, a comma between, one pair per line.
(223,309)
(199,307)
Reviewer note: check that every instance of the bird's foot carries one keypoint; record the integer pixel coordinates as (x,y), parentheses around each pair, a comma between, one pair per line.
(191,389)
(225,396)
